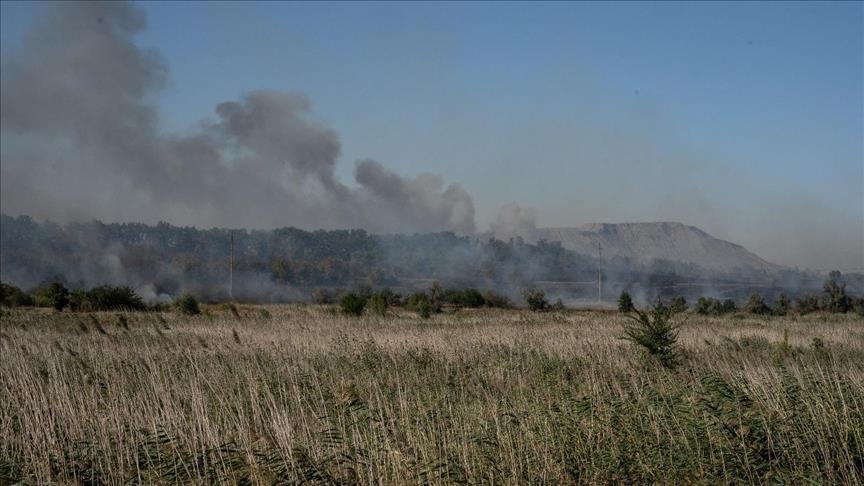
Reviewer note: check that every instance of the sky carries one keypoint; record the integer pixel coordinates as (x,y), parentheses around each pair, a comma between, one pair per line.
(745,119)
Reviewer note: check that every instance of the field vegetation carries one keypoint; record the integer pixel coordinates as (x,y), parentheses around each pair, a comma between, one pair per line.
(308,393)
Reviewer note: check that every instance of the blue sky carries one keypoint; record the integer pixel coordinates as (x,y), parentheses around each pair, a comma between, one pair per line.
(742,118)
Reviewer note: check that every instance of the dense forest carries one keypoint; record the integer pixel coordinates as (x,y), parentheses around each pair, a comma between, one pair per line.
(288,263)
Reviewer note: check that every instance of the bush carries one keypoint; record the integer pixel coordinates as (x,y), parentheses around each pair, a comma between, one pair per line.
(808,304)
(536,300)
(756,305)
(424,309)
(558,305)
(187,305)
(378,304)
(654,332)
(781,305)
(463,298)
(54,295)
(422,304)
(352,304)
(12,296)
(109,297)
(727,307)
(836,299)
(323,296)
(858,305)
(78,301)
(494,299)
(678,305)
(625,302)
(714,307)
(392,298)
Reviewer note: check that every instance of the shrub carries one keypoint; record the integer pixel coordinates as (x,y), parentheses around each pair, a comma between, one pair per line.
(78,301)
(109,297)
(422,304)
(714,307)
(726,307)
(756,305)
(54,295)
(858,305)
(323,296)
(352,304)
(558,305)
(536,299)
(187,305)
(424,309)
(678,305)
(464,298)
(836,299)
(12,296)
(378,304)
(625,302)
(704,305)
(494,299)
(392,298)
(782,306)
(808,304)
(654,332)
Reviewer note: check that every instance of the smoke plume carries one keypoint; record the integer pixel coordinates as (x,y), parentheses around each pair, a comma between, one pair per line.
(81,139)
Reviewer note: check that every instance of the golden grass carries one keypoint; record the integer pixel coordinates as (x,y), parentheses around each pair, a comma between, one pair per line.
(287,394)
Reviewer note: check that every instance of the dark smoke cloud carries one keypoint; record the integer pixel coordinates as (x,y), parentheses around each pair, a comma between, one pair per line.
(81,139)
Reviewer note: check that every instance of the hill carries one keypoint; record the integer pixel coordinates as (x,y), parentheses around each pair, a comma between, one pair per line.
(647,242)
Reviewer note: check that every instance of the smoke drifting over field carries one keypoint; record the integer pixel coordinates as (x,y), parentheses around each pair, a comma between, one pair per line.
(82,139)
(87,143)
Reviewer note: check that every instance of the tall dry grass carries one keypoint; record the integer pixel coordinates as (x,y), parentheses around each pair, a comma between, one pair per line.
(291,394)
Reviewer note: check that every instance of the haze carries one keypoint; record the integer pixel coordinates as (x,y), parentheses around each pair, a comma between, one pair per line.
(743,119)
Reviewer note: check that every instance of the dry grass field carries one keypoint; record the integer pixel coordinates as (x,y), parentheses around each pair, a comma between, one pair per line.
(294,394)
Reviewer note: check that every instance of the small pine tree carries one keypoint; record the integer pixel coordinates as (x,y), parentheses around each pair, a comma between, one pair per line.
(654,332)
(625,302)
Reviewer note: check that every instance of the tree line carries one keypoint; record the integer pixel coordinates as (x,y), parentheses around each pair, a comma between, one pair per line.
(833,298)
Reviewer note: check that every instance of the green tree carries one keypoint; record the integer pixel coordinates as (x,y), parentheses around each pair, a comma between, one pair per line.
(756,305)
(12,296)
(352,304)
(726,307)
(378,304)
(536,299)
(836,299)
(704,305)
(808,304)
(678,305)
(78,301)
(654,331)
(782,305)
(54,295)
(625,302)
(187,305)
(109,297)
